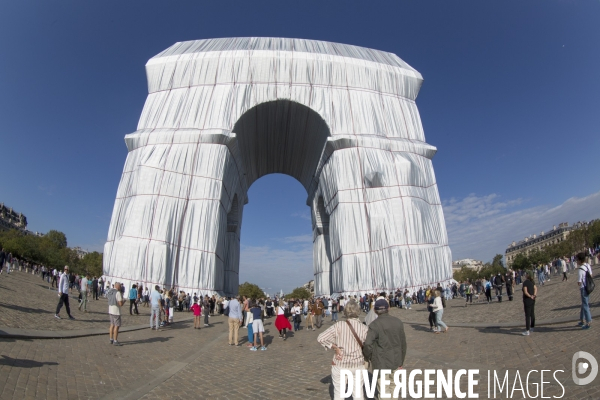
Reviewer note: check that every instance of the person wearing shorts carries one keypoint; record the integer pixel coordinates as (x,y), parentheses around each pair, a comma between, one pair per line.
(257,327)
(115,301)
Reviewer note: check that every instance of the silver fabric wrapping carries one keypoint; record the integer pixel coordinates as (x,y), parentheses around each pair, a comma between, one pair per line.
(221,113)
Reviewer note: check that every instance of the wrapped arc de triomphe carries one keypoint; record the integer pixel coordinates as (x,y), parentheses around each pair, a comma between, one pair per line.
(221,113)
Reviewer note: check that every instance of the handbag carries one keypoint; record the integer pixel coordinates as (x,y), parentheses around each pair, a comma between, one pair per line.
(367,364)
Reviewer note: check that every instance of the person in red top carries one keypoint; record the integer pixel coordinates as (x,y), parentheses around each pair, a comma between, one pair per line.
(197,312)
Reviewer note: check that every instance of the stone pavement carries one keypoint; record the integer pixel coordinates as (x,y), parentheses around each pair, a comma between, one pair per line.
(24,294)
(180,362)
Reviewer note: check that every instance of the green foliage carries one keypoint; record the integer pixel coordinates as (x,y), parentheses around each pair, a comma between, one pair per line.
(299,293)
(250,290)
(521,261)
(497,261)
(56,239)
(50,250)
(93,263)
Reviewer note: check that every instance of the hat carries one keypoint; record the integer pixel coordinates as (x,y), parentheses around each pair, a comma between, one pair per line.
(381,305)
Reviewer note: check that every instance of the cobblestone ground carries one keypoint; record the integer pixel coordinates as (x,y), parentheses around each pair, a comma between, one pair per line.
(556,299)
(180,362)
(23,295)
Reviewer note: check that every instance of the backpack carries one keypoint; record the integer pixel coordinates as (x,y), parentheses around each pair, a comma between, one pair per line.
(226,311)
(589,281)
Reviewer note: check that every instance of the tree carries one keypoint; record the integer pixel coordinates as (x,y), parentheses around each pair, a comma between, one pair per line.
(92,262)
(497,262)
(521,261)
(538,257)
(250,290)
(56,238)
(299,293)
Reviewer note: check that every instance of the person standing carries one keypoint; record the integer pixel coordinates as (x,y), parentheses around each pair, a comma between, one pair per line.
(297,316)
(84,293)
(63,294)
(432,323)
(155,304)
(498,284)
(509,285)
(585,314)
(310,317)
(206,309)
(318,312)
(281,322)
(488,291)
(468,292)
(438,311)
(3,258)
(385,345)
(54,277)
(9,261)
(563,267)
(257,327)
(334,310)
(95,288)
(133,300)
(197,311)
(115,301)
(346,338)
(235,320)
(529,295)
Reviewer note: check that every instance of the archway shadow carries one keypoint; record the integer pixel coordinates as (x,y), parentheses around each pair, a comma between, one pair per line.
(22,363)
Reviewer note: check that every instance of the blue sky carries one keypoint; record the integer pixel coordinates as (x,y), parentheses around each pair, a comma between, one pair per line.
(510,98)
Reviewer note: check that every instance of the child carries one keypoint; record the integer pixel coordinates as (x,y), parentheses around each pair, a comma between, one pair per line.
(197,312)
(257,326)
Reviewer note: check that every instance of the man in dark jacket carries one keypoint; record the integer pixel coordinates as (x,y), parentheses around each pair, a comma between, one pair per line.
(498,283)
(385,345)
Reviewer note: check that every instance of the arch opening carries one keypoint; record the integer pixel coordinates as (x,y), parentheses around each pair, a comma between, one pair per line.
(281,136)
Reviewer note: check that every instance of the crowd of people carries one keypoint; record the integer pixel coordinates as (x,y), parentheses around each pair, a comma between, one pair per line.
(378,342)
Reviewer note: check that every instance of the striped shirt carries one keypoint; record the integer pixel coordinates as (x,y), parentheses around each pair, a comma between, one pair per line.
(341,336)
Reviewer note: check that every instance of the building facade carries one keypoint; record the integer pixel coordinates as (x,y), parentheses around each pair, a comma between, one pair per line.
(538,242)
(10,219)
(467,262)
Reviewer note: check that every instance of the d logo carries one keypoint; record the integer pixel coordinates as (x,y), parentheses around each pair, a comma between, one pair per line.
(582,368)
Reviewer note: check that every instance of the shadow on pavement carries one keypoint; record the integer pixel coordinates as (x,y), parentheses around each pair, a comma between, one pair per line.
(576,307)
(21,363)
(27,309)
(420,328)
(160,339)
(519,331)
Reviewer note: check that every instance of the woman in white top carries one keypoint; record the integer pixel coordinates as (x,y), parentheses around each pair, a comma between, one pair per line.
(438,309)
(281,322)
